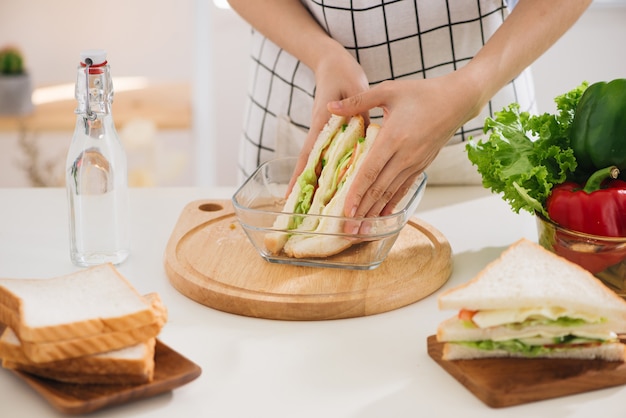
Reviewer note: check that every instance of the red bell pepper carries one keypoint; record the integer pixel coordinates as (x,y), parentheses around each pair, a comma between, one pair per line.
(597,208)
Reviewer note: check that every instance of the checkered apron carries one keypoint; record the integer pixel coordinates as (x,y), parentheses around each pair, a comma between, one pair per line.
(391,39)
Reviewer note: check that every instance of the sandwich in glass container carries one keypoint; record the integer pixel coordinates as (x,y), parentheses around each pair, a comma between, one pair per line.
(307,227)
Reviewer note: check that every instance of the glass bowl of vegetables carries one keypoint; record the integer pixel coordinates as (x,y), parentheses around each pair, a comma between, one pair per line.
(565,168)
(603,256)
(586,224)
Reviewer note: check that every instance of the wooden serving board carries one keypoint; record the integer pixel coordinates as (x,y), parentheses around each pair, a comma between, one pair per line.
(500,382)
(210,260)
(171,370)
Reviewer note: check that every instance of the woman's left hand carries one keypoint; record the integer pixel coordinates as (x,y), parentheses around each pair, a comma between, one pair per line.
(419,117)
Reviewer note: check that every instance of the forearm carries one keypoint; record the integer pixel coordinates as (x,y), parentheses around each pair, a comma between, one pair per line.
(289,25)
(530,30)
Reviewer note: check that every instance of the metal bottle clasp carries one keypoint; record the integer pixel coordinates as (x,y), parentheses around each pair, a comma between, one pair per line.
(90,115)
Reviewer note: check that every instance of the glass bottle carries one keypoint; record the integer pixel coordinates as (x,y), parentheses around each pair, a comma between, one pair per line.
(96,171)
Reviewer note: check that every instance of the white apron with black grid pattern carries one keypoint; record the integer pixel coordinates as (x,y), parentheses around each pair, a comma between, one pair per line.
(398,39)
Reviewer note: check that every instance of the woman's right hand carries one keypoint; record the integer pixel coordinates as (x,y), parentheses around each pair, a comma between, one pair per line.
(337,76)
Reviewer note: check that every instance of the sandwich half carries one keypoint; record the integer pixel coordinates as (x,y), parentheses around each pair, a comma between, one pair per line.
(320,192)
(531,303)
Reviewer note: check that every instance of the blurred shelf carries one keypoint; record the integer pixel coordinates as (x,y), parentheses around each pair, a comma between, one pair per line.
(168,105)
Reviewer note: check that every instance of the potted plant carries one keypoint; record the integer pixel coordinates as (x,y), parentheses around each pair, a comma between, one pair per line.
(15,83)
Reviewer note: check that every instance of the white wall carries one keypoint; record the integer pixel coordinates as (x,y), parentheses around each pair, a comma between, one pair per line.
(152,38)
(592,50)
(155,38)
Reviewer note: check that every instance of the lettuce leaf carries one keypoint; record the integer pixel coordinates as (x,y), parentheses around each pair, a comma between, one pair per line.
(526,155)
(517,346)
(307,182)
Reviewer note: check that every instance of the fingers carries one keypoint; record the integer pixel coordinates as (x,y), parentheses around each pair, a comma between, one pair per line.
(378,191)
(386,174)
(371,183)
(400,193)
(360,103)
(393,194)
(382,207)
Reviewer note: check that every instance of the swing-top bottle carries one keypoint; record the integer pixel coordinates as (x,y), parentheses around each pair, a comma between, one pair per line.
(96,171)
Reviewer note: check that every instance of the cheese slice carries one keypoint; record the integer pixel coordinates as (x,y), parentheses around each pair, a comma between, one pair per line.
(455,329)
(496,317)
(549,332)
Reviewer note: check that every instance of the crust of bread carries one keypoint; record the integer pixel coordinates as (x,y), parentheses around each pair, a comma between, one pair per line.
(26,305)
(113,378)
(135,364)
(77,347)
(317,246)
(82,378)
(528,275)
(607,352)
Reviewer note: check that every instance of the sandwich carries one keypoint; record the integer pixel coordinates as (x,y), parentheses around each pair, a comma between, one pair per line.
(532,303)
(320,192)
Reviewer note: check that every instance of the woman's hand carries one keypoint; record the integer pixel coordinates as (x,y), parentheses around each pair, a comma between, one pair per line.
(337,76)
(419,117)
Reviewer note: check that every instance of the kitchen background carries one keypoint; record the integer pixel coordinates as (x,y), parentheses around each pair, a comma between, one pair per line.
(180,75)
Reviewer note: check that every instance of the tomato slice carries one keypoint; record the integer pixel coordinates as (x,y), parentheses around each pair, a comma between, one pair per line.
(466,314)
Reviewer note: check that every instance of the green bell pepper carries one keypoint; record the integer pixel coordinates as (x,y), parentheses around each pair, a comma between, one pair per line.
(598,131)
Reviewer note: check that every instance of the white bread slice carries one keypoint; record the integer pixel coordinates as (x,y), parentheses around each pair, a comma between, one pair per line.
(40,352)
(527,275)
(90,302)
(11,348)
(65,349)
(134,364)
(47,351)
(606,352)
(275,241)
(329,239)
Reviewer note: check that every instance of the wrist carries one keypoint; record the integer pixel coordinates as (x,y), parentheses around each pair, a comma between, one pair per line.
(475,88)
(323,54)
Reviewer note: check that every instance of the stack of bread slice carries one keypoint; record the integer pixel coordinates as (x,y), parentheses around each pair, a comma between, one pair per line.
(91,326)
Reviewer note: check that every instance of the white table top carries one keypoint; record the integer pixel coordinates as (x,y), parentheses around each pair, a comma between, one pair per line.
(375,366)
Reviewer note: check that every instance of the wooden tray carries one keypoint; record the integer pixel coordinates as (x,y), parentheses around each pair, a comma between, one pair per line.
(507,382)
(171,370)
(210,260)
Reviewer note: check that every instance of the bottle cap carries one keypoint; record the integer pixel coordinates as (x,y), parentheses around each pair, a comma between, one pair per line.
(97,56)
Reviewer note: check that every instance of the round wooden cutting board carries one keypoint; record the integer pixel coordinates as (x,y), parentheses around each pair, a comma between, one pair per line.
(210,260)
